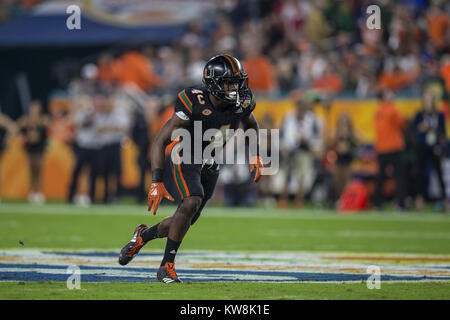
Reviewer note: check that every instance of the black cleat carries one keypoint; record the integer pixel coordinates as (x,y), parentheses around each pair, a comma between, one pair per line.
(167,273)
(132,248)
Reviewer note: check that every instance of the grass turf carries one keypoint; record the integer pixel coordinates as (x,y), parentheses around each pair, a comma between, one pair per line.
(223,291)
(57,226)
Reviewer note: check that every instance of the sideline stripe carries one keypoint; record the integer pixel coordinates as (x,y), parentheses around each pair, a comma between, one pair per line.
(175,172)
(182,178)
(178,175)
(23,209)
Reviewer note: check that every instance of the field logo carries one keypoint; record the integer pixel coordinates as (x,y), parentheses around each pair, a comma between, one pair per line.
(374,281)
(74,20)
(74,280)
(374,20)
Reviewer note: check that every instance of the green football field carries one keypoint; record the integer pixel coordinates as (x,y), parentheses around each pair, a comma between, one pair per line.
(230,253)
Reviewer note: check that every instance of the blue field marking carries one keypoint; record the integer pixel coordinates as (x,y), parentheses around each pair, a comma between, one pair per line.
(98,254)
(214,266)
(43,272)
(116,254)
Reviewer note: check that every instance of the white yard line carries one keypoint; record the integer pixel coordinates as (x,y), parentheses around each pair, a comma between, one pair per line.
(216,212)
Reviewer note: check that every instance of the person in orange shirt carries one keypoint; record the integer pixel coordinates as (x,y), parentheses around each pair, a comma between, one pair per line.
(389,145)
(438,26)
(7,128)
(259,69)
(445,73)
(396,79)
(135,68)
(329,82)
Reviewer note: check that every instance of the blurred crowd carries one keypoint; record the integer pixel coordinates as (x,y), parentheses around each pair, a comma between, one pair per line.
(288,48)
(287,45)
(13,8)
(316,165)
(94,126)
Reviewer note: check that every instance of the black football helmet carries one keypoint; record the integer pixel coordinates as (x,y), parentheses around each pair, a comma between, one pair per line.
(221,69)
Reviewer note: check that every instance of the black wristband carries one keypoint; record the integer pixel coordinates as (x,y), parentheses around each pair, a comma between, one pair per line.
(157,175)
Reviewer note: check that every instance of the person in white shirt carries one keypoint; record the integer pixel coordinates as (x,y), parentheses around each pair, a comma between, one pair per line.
(86,149)
(300,140)
(111,126)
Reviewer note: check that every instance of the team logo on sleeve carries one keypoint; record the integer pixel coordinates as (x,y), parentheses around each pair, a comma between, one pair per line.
(246,103)
(182,115)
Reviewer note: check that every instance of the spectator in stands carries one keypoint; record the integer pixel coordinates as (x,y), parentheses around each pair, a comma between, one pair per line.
(344,144)
(111,125)
(260,70)
(316,27)
(329,82)
(438,26)
(292,15)
(171,68)
(195,37)
(194,70)
(324,45)
(395,79)
(108,69)
(389,144)
(86,149)
(140,133)
(403,31)
(300,139)
(33,127)
(224,37)
(430,140)
(7,126)
(9,9)
(238,191)
(265,191)
(445,72)
(61,127)
(135,69)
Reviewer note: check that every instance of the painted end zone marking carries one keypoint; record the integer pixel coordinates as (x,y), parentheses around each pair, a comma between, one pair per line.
(33,272)
(98,266)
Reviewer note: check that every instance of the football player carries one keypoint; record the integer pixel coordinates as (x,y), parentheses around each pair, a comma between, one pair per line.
(222,102)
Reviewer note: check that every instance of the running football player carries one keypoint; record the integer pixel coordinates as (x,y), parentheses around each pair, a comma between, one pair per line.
(222,102)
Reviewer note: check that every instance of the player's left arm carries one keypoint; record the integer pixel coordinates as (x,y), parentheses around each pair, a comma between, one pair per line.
(249,122)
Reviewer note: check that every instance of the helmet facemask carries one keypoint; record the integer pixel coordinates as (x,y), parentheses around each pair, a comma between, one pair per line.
(230,89)
(225,80)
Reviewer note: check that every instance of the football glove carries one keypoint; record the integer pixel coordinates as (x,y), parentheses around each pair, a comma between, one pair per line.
(156,193)
(256,164)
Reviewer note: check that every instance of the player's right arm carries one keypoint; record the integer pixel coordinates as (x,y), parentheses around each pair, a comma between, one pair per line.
(180,119)
(163,139)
